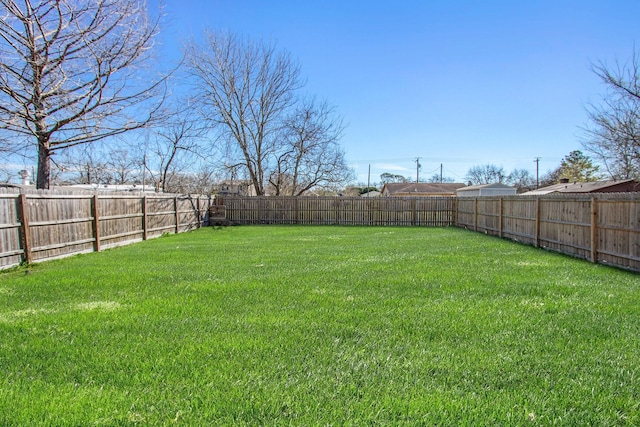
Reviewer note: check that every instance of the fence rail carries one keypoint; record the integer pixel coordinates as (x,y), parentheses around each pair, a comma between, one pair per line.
(43,225)
(602,228)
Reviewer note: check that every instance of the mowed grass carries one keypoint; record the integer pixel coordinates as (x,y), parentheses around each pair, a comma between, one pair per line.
(320,326)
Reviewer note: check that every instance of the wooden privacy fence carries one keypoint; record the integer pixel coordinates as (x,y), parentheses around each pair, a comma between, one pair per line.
(37,226)
(603,228)
(43,225)
(419,211)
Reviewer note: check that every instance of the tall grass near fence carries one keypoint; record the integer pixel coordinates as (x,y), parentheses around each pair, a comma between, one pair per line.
(320,326)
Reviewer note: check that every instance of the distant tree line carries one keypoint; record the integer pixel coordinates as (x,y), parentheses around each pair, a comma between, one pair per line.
(575,166)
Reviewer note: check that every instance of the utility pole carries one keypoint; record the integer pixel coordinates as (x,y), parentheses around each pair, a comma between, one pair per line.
(537,162)
(418,169)
(440,173)
(369,178)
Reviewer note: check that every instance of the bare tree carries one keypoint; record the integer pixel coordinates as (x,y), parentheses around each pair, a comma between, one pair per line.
(522,179)
(171,149)
(387,177)
(84,164)
(309,154)
(436,177)
(248,89)
(123,166)
(70,72)
(613,135)
(485,174)
(204,181)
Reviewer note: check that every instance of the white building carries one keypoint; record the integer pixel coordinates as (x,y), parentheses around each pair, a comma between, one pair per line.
(496,189)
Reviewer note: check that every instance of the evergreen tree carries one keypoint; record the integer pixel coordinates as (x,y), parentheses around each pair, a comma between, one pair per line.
(578,167)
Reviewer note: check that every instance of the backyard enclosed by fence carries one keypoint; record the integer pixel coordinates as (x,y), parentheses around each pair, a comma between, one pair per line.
(41,225)
(36,226)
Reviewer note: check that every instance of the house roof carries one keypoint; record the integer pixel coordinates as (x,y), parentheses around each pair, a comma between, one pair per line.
(482,186)
(586,187)
(373,193)
(419,188)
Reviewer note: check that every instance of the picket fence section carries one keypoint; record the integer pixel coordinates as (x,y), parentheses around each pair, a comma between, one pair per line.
(44,225)
(424,211)
(602,228)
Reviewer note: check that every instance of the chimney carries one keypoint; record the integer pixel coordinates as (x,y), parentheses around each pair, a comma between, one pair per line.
(24,174)
(564,180)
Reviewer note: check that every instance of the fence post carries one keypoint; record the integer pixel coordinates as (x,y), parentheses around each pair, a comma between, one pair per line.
(594,230)
(24,227)
(96,223)
(198,212)
(144,217)
(177,214)
(537,223)
(455,205)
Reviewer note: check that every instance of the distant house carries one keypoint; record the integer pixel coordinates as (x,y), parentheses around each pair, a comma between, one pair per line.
(612,186)
(373,193)
(237,188)
(420,189)
(496,189)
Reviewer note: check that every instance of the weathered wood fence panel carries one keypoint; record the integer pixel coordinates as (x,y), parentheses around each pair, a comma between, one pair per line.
(43,225)
(618,232)
(120,219)
(602,228)
(385,211)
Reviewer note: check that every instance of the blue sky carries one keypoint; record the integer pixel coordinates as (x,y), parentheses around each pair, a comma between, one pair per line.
(457,83)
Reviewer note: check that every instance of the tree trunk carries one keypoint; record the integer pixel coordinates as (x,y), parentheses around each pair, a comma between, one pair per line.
(44,164)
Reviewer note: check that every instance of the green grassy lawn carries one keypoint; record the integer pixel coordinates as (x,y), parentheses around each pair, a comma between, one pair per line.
(320,326)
